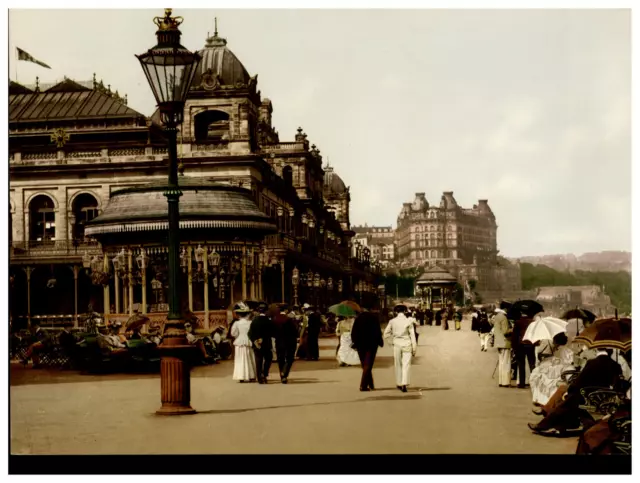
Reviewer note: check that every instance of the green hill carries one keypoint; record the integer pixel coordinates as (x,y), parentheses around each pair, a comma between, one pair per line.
(617,284)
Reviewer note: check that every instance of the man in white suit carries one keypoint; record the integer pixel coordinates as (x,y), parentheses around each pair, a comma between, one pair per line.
(401,332)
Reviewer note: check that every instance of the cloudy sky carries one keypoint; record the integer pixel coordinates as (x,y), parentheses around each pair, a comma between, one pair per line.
(530,109)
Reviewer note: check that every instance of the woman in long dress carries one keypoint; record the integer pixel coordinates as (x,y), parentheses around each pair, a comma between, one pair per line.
(346,355)
(244,364)
(545,377)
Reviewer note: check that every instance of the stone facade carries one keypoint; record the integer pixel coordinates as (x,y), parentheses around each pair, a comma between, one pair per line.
(63,172)
(379,239)
(446,235)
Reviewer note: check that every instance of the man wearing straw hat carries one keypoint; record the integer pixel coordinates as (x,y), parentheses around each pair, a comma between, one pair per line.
(401,332)
(502,333)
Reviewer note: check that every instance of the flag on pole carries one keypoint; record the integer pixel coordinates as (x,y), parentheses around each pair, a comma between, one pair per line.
(22,55)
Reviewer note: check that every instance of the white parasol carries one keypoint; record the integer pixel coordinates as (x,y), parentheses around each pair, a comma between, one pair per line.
(544,328)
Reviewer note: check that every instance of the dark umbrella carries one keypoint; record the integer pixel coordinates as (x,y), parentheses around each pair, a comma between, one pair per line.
(607,333)
(136,321)
(528,308)
(582,314)
(504,305)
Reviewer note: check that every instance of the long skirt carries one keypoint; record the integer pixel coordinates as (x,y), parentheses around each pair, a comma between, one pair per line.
(544,379)
(347,355)
(504,367)
(244,364)
(402,362)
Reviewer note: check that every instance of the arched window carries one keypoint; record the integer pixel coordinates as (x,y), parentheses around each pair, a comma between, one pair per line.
(42,218)
(211,127)
(85,208)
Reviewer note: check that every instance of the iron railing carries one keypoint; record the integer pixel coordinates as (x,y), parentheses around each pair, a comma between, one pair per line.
(54,248)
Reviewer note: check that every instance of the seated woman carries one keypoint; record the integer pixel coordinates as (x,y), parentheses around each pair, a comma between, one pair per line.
(199,343)
(346,355)
(556,358)
(602,371)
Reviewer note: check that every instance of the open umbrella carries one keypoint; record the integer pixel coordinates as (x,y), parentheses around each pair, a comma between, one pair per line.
(528,308)
(544,328)
(353,305)
(582,314)
(607,333)
(136,321)
(342,309)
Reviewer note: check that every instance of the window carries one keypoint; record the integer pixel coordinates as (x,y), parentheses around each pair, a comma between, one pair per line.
(211,127)
(42,219)
(85,208)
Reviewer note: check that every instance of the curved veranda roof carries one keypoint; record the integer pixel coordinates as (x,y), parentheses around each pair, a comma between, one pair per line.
(436,276)
(203,205)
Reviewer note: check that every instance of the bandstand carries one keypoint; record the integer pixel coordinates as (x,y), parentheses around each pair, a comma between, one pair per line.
(435,287)
(221,256)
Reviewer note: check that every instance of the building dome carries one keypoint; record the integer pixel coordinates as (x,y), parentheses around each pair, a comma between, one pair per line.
(219,66)
(333,183)
(204,205)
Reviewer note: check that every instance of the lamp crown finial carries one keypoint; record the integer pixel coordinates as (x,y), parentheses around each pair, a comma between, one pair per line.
(168,22)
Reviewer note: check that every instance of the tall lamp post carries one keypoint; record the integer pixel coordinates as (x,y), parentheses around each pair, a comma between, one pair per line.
(170,68)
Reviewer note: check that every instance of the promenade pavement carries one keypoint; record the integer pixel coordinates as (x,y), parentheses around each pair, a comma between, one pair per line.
(453,406)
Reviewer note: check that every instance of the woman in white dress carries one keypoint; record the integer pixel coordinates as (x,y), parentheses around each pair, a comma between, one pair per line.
(545,377)
(244,364)
(347,356)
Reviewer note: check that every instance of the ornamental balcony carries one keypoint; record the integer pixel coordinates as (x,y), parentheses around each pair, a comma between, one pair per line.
(49,251)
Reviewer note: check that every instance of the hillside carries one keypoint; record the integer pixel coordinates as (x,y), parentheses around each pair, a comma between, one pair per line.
(616,284)
(608,261)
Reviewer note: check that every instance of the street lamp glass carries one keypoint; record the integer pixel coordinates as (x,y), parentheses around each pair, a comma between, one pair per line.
(214,258)
(141,259)
(199,254)
(86,260)
(169,68)
(295,277)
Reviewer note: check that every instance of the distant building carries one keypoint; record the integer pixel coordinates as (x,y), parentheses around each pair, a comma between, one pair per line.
(560,299)
(462,240)
(379,239)
(446,235)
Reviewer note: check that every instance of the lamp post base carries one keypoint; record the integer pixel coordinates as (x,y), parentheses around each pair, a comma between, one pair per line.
(175,379)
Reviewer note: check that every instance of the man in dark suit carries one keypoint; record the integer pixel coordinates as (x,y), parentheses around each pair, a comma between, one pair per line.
(522,349)
(366,337)
(602,371)
(285,332)
(260,333)
(313,332)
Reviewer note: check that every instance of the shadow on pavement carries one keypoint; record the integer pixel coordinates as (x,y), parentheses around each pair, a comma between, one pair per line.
(372,399)
(325,363)
(413,389)
(306,381)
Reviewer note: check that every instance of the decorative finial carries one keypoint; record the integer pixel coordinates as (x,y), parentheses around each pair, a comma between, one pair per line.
(215,21)
(168,22)
(94,80)
(126,101)
(37,84)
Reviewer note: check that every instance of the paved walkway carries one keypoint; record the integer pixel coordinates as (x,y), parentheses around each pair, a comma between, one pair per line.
(453,406)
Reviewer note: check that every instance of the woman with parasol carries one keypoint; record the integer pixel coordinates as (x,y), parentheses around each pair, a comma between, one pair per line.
(345,313)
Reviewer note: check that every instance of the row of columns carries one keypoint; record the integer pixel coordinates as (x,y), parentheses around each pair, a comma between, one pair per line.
(76,271)
(251,285)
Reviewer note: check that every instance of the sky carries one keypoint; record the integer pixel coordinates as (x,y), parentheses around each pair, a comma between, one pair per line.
(530,109)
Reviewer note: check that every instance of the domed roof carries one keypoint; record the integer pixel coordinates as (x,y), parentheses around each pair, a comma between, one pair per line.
(203,205)
(219,66)
(332,182)
(436,275)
